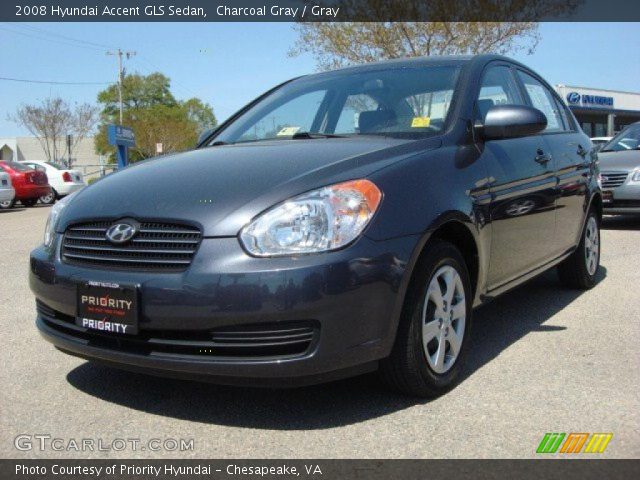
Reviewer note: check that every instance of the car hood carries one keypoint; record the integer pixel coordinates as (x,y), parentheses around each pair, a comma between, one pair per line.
(621,160)
(222,188)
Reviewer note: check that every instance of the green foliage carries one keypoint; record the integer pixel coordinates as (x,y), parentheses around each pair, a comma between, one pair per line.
(155,116)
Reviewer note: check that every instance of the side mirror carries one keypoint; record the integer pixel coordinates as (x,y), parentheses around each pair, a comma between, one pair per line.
(512,121)
(203,136)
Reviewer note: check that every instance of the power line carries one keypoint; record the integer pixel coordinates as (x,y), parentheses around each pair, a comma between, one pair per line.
(46,39)
(72,39)
(24,80)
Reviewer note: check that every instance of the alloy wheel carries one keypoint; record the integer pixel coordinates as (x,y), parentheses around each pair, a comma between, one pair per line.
(443,319)
(47,199)
(591,246)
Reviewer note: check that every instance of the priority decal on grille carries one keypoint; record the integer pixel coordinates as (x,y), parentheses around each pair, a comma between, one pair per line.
(105,325)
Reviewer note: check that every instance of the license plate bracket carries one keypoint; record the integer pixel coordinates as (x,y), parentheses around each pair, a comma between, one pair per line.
(108,307)
(607,196)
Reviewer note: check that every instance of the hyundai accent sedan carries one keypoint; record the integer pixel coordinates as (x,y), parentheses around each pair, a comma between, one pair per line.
(341,223)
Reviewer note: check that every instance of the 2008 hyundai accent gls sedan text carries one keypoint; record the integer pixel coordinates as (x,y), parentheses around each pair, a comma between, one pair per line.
(342,222)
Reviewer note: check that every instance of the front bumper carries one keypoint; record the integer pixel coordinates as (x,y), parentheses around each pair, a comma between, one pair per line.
(626,200)
(351,297)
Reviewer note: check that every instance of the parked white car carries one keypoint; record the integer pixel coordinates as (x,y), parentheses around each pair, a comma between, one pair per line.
(7,193)
(62,180)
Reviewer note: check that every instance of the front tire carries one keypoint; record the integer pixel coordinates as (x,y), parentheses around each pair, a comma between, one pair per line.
(580,269)
(433,334)
(7,204)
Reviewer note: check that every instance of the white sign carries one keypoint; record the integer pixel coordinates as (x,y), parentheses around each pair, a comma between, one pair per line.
(158,148)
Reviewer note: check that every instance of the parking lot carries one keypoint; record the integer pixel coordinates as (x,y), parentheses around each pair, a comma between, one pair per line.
(543,359)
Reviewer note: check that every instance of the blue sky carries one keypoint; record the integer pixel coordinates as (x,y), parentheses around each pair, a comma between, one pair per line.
(228,64)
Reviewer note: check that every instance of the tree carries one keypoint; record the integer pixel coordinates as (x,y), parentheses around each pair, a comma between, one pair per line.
(155,116)
(52,120)
(335,45)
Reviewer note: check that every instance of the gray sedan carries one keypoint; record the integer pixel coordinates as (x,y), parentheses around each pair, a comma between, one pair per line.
(620,172)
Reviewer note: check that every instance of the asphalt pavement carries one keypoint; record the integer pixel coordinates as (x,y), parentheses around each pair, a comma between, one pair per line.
(543,359)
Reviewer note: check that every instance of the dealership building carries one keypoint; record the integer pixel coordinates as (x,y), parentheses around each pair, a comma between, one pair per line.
(601,113)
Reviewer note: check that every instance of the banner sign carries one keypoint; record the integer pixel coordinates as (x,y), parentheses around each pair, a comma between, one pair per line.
(318,11)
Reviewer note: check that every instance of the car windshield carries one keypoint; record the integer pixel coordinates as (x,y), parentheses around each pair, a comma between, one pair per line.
(405,101)
(627,139)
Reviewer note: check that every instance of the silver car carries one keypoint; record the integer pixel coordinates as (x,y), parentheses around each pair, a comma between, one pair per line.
(620,172)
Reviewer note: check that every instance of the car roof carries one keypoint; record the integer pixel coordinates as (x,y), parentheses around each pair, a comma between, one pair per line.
(433,60)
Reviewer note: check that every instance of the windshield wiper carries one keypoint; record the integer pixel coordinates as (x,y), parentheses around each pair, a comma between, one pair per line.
(307,135)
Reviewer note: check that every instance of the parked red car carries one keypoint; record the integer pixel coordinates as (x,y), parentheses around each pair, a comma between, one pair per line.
(29,184)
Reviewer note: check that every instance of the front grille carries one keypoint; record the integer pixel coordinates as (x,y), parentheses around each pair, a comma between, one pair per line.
(257,341)
(157,246)
(613,179)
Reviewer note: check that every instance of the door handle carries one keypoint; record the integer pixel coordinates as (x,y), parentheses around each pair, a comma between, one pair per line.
(581,151)
(542,158)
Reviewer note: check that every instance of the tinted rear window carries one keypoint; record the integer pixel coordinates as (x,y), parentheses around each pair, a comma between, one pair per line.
(18,167)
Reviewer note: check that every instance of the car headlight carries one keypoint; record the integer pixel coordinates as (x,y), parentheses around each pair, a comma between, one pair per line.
(52,221)
(636,176)
(317,221)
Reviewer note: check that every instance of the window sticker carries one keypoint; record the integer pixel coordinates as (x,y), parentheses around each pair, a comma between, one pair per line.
(541,102)
(420,122)
(287,131)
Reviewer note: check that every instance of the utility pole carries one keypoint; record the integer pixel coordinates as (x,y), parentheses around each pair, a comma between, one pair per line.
(119,53)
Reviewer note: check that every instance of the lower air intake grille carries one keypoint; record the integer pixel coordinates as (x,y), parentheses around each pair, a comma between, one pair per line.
(156,246)
(258,341)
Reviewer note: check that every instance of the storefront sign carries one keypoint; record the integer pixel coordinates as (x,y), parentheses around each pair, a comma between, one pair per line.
(574,98)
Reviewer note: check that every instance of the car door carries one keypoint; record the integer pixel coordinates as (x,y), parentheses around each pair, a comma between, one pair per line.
(570,148)
(522,186)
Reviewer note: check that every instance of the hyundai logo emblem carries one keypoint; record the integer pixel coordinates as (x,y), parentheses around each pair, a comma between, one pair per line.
(573,97)
(121,232)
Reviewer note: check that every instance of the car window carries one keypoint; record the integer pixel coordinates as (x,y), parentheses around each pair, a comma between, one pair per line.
(543,100)
(353,107)
(498,87)
(57,166)
(18,167)
(406,102)
(627,139)
(287,119)
(567,119)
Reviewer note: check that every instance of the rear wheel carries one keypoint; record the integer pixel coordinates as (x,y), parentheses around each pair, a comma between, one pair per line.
(580,269)
(7,204)
(50,198)
(29,203)
(432,338)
